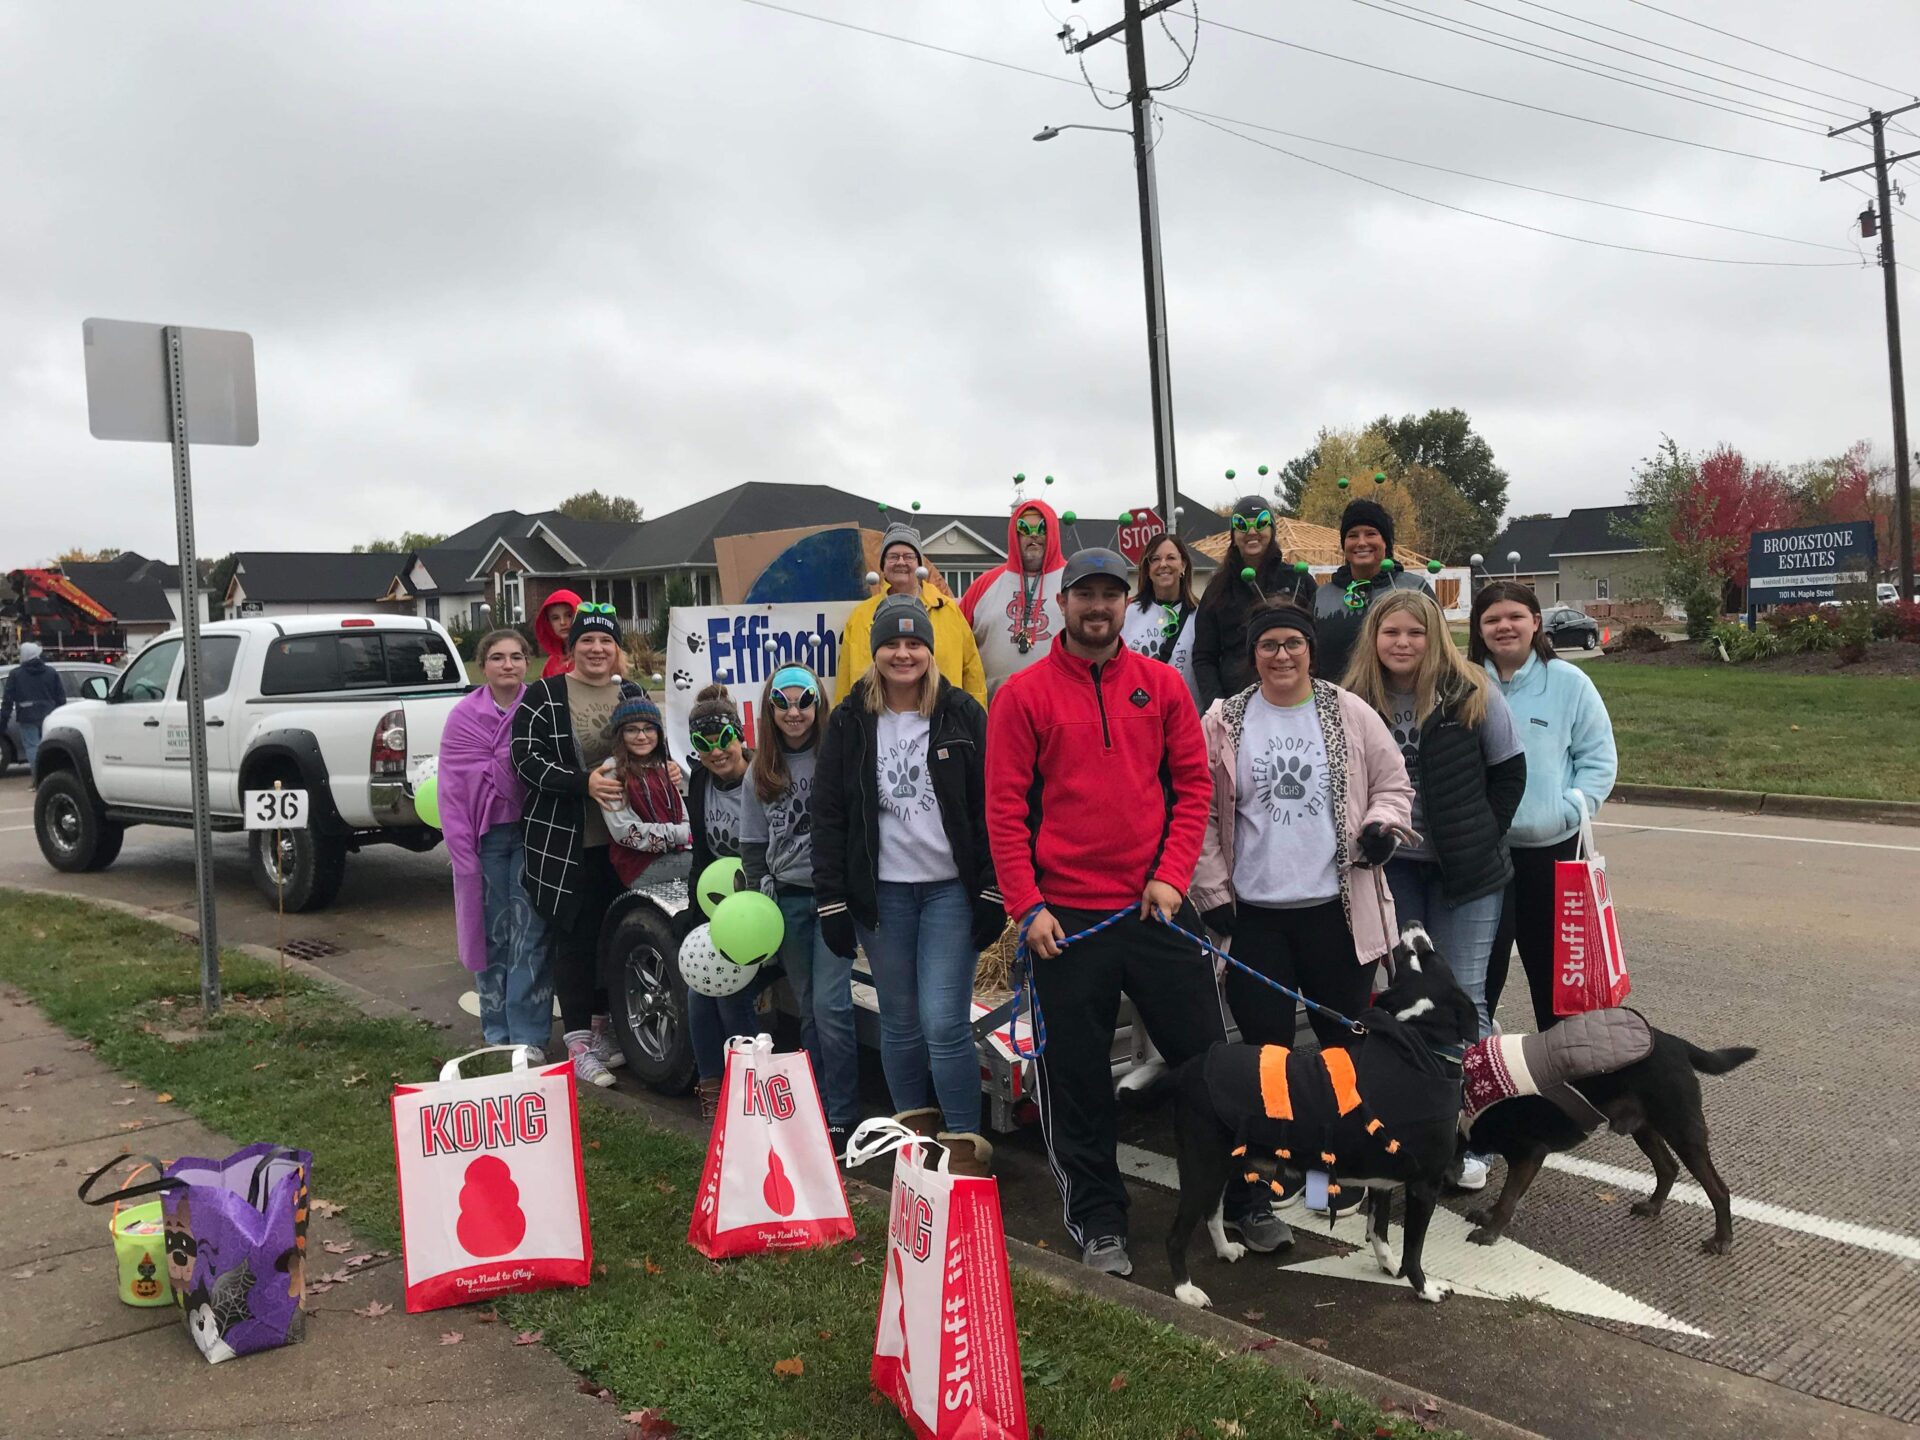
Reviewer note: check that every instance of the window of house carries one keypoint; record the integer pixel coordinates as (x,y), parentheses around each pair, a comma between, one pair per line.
(1603,588)
(642,599)
(703,588)
(433,609)
(512,598)
(959,580)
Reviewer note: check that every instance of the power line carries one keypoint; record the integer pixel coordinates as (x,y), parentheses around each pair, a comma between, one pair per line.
(1516,224)
(1204,115)
(1505,100)
(1650,59)
(1845,74)
(1801,124)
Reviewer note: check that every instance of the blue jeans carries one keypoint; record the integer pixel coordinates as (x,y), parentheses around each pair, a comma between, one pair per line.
(711,1023)
(516,988)
(923,960)
(1462,933)
(823,992)
(31,735)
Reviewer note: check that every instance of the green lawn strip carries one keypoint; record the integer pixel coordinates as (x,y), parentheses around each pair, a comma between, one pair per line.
(662,1326)
(1730,728)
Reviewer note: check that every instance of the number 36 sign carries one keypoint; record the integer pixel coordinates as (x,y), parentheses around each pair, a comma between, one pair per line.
(276,809)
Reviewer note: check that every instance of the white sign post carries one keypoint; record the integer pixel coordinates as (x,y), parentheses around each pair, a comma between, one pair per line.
(142,380)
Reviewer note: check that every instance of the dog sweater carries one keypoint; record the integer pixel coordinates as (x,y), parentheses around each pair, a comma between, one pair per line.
(1597,1042)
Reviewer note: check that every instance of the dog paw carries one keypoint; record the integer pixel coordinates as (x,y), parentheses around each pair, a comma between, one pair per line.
(1650,1209)
(1231,1251)
(1484,1235)
(1714,1245)
(1188,1293)
(1433,1292)
(1383,1257)
(1478,1215)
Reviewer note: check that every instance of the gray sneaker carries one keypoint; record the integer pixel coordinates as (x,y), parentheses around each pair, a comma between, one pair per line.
(1260,1230)
(604,1045)
(587,1067)
(1108,1255)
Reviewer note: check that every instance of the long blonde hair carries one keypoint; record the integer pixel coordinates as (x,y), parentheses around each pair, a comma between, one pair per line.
(875,690)
(1444,675)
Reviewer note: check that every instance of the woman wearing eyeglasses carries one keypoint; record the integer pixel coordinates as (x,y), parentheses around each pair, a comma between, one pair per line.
(1160,616)
(1310,799)
(1221,666)
(776,852)
(716,796)
(901,866)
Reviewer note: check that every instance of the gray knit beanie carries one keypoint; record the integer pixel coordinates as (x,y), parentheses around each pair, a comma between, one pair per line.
(901,617)
(900,533)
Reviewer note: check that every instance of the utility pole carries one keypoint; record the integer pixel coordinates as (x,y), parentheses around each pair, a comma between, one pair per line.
(1140,102)
(1902,475)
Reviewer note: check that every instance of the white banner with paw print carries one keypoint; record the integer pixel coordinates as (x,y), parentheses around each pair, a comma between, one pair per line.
(740,646)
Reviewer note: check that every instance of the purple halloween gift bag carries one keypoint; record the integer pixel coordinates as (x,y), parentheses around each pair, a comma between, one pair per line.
(236,1233)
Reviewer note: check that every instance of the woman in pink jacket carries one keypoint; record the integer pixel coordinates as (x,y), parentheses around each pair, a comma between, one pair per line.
(1310,799)
(502,938)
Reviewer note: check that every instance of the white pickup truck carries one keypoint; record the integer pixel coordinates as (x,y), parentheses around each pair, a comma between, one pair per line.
(346,707)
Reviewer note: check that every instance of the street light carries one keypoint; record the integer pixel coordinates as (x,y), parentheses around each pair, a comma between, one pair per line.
(1049,132)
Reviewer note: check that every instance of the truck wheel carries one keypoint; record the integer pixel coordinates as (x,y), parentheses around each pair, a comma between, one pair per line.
(304,870)
(73,835)
(650,1000)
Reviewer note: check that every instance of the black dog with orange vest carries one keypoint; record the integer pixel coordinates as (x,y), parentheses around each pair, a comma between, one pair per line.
(1382,1114)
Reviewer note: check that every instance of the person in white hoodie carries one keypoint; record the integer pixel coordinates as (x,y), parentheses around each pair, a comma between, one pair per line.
(1011,608)
(1571,766)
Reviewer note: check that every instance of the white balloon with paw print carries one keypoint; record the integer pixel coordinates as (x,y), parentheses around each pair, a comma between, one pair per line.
(708,972)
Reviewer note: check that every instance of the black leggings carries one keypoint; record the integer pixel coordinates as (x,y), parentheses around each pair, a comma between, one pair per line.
(576,947)
(1527,917)
(1310,949)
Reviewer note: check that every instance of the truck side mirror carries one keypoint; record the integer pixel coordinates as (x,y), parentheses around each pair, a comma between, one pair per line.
(94,687)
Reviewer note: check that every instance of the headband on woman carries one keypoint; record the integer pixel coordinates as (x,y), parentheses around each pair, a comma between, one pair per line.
(794,676)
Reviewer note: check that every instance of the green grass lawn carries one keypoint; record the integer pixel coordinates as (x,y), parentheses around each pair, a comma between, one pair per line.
(661,1326)
(1744,729)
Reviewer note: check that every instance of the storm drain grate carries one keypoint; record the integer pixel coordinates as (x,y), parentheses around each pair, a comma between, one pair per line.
(310,949)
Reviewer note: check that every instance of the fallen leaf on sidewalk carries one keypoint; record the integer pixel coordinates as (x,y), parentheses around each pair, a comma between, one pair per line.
(163,1098)
(790,1368)
(374,1311)
(129,1084)
(528,1337)
(650,1424)
(326,1209)
(26,1274)
(39,1070)
(133,1124)
(1251,1346)
(128,1101)
(337,1247)
(335,1277)
(1254,1314)
(1319,1342)
(451,1337)
(354,1262)
(485,1317)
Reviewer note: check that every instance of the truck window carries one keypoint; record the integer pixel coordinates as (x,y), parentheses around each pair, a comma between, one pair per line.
(362,665)
(300,665)
(419,657)
(217,654)
(358,660)
(147,677)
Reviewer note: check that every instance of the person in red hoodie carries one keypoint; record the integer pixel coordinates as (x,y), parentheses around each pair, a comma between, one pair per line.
(1097,792)
(1011,606)
(555,620)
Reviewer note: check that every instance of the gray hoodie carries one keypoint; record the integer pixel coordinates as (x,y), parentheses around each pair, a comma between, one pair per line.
(776,840)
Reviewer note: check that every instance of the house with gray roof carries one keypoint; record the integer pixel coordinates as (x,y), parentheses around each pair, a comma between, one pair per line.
(307,582)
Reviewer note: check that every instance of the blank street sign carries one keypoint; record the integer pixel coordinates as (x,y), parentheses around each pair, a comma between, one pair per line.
(127,392)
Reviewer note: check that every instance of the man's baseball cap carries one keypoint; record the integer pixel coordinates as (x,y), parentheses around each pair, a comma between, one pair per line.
(1091,564)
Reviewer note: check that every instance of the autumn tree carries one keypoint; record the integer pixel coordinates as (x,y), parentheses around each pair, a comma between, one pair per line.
(407,544)
(1856,485)
(80,555)
(1699,516)
(1445,441)
(596,505)
(1357,456)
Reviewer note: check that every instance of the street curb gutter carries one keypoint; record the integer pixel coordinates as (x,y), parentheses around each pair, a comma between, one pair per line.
(1762,802)
(1230,1336)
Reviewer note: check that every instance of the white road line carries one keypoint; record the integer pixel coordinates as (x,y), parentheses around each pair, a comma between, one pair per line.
(9,829)
(1755,835)
(1861,1237)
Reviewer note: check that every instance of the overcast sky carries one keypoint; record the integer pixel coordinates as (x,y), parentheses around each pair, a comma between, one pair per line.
(493,253)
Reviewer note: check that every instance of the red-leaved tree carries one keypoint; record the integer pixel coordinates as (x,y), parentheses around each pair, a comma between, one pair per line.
(1713,518)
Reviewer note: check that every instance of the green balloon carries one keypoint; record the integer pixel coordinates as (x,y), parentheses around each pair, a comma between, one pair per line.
(1379,477)
(1302,567)
(1263,469)
(916,504)
(747,928)
(1230,474)
(1068,517)
(719,881)
(1343,482)
(1049,480)
(883,507)
(1433,567)
(1126,517)
(1387,564)
(426,801)
(1246,575)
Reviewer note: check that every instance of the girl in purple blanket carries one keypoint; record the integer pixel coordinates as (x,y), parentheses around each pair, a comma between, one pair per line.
(503,940)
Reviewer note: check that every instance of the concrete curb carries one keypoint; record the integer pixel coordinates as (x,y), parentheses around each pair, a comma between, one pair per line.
(1761,802)
(1230,1336)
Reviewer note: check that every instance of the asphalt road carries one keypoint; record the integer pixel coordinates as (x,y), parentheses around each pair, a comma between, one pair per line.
(1795,936)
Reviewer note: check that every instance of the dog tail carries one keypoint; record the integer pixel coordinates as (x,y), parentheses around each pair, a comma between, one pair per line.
(1719,1062)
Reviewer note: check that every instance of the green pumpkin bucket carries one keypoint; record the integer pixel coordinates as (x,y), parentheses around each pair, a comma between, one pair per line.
(140,1248)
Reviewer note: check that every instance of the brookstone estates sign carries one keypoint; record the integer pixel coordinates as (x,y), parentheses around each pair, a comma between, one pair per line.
(1809,564)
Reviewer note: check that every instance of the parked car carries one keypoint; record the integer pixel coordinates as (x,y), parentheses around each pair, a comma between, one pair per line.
(80,681)
(348,708)
(1566,625)
(1885,593)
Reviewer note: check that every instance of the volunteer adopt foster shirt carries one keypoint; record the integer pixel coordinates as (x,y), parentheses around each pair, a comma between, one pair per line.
(1283,846)
(913,841)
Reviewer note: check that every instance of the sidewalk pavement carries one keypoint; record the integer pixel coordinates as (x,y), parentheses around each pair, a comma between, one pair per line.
(74,1361)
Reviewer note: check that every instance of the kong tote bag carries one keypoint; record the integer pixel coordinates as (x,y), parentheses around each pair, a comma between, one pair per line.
(493,1198)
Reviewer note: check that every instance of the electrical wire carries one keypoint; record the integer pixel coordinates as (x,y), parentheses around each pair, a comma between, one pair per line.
(1187,52)
(1510,184)
(1519,224)
(1800,124)
(1507,100)
(1775,50)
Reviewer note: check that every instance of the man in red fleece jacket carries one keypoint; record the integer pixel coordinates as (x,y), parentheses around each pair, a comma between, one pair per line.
(1097,798)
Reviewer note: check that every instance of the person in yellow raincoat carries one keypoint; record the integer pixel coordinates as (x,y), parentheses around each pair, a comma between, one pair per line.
(955,653)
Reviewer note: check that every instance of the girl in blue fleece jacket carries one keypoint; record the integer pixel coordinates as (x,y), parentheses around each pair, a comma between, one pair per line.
(1570,763)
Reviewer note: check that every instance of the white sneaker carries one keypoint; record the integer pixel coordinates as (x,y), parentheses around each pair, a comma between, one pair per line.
(587,1066)
(535,1056)
(1469,1173)
(604,1046)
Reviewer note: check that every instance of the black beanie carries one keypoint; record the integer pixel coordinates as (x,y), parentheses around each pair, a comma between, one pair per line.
(1367,512)
(586,622)
(1251,505)
(1281,615)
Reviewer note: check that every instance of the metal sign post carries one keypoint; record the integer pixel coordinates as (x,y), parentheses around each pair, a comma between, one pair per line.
(141,386)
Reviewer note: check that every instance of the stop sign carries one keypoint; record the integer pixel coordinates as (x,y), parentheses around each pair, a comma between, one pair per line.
(1133,539)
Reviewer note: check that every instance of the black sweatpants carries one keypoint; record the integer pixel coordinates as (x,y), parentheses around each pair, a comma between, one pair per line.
(1310,949)
(1527,917)
(576,947)
(1171,986)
